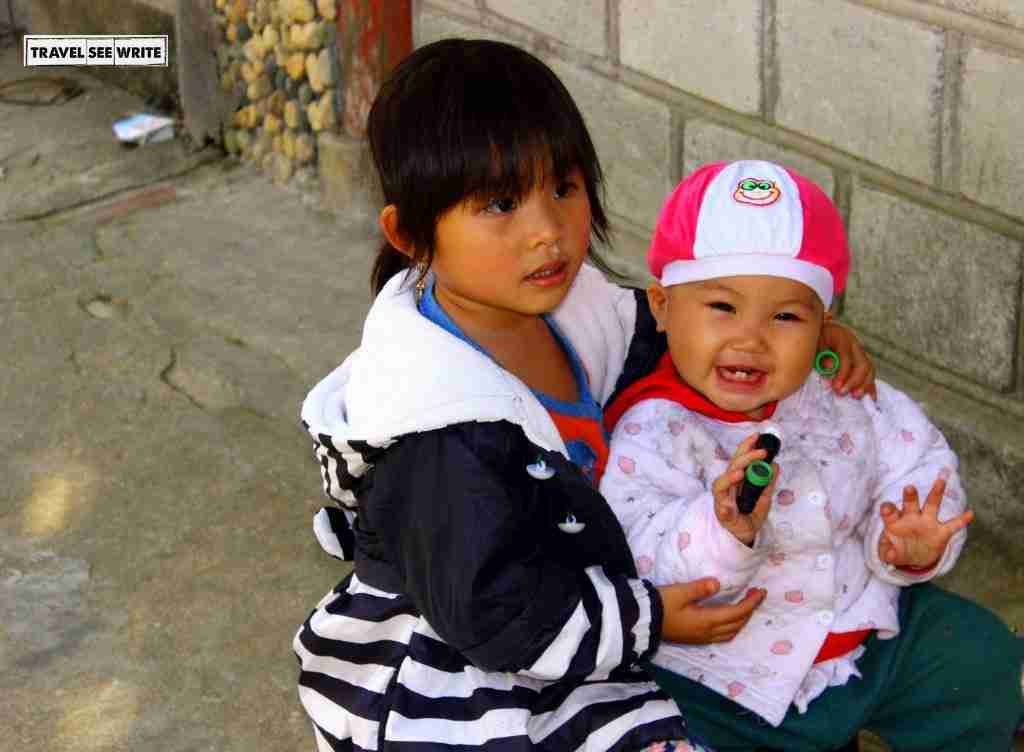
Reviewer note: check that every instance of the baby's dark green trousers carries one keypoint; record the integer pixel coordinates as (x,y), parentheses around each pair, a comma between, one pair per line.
(949,682)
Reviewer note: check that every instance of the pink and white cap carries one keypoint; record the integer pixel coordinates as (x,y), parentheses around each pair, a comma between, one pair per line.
(731,219)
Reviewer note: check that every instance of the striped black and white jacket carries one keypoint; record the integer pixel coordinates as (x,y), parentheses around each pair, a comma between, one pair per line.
(471,620)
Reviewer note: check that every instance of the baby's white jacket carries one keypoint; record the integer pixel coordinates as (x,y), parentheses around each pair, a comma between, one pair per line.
(816,555)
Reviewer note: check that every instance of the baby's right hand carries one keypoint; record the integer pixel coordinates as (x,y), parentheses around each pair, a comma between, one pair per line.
(686,621)
(744,527)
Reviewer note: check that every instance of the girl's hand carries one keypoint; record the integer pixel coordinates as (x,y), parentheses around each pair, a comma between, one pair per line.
(856,374)
(685,620)
(725,488)
(913,536)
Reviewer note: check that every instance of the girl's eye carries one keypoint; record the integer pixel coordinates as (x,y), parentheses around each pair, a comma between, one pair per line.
(719,306)
(566,188)
(787,317)
(500,205)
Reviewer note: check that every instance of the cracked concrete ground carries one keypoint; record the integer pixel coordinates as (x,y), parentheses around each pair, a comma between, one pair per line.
(155,546)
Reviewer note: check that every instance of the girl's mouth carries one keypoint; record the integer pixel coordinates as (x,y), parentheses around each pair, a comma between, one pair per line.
(549,275)
(740,379)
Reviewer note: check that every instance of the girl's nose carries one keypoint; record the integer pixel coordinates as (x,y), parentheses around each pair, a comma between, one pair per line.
(545,222)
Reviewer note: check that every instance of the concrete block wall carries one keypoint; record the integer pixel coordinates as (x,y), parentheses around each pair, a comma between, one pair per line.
(908,112)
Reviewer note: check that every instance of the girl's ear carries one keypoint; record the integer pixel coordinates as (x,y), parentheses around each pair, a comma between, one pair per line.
(388,221)
(657,299)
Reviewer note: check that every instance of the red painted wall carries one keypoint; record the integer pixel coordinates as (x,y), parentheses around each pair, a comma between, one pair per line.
(373,35)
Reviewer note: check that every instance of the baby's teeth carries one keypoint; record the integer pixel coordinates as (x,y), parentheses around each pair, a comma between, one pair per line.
(739,374)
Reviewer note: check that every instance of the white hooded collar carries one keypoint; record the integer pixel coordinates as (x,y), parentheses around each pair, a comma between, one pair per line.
(410,375)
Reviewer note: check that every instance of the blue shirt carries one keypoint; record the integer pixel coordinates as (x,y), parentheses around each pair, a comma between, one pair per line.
(579,423)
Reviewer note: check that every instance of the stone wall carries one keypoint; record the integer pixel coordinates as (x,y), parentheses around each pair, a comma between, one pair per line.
(278,62)
(300,76)
(908,112)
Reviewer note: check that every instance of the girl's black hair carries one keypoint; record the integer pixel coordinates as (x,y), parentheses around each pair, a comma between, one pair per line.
(465,118)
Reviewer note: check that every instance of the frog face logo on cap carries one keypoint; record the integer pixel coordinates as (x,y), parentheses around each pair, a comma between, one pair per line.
(757,192)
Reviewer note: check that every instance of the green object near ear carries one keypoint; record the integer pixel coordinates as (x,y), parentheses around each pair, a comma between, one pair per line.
(819,363)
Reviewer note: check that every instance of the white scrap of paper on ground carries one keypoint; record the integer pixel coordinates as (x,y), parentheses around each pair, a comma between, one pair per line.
(144,129)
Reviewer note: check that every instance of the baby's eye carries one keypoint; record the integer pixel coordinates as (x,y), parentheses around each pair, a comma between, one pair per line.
(787,316)
(720,306)
(566,188)
(500,205)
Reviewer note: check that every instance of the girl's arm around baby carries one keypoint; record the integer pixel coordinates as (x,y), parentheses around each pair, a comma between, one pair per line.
(454,508)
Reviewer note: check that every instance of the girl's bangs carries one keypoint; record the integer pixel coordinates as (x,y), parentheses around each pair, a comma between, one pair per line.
(510,153)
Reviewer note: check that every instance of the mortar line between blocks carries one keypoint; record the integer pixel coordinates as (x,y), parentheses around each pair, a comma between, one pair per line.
(769,61)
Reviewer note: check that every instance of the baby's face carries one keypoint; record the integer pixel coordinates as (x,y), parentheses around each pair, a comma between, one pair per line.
(742,342)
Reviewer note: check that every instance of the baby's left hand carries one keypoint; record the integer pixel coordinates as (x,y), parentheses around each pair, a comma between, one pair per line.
(913,535)
(856,375)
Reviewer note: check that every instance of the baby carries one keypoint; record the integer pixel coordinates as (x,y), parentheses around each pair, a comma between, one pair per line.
(748,257)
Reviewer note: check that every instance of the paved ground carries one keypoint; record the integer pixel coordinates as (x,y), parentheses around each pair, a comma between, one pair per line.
(155,555)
